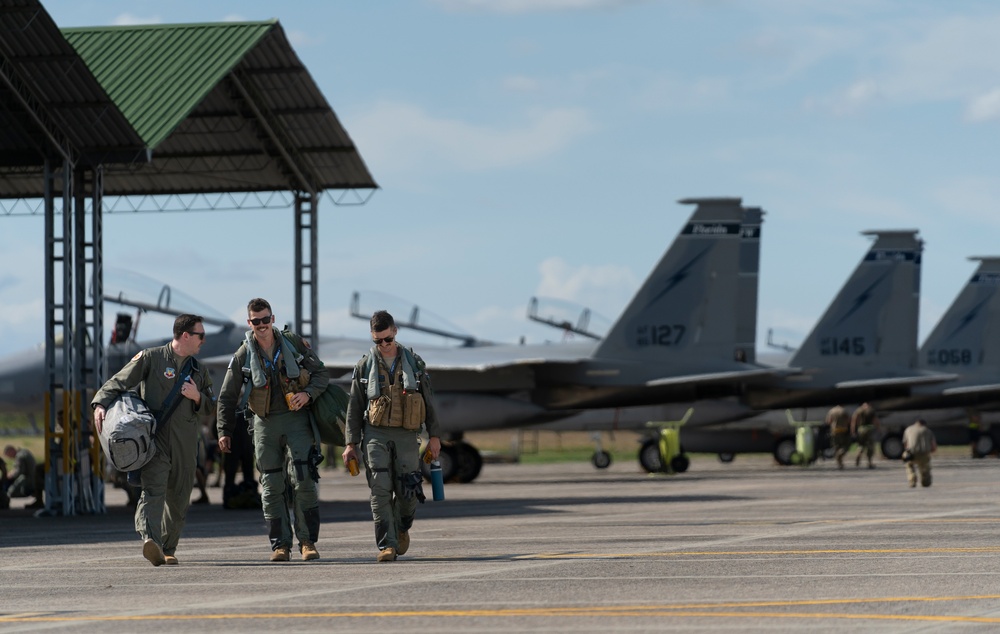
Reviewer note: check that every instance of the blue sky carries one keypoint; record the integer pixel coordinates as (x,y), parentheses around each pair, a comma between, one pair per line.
(538,147)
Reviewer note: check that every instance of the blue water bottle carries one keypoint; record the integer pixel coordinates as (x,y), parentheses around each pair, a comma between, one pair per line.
(437,481)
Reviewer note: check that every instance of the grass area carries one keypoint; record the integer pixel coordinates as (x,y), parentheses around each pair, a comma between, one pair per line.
(537,446)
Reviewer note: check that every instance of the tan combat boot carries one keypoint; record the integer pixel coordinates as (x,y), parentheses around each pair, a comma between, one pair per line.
(170,560)
(281,553)
(308,550)
(387,554)
(404,543)
(152,551)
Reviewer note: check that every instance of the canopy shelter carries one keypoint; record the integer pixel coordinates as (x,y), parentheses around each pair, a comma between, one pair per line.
(152,110)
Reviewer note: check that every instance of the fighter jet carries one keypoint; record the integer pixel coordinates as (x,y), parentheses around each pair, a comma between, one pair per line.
(962,343)
(864,347)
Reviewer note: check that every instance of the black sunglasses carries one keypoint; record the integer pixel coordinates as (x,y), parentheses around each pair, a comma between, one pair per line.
(200,335)
(383,339)
(261,320)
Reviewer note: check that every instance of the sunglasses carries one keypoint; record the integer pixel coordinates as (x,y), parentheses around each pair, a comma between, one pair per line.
(200,335)
(261,320)
(383,340)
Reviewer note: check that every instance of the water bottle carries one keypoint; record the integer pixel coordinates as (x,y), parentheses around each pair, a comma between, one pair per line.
(437,481)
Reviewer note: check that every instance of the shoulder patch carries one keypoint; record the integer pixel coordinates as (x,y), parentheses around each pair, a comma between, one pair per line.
(138,355)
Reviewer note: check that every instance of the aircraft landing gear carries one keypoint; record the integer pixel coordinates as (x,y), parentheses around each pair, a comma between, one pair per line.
(601,458)
(892,446)
(460,462)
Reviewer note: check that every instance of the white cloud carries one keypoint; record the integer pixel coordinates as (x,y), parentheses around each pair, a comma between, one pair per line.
(985,107)
(301,39)
(128,19)
(405,138)
(603,288)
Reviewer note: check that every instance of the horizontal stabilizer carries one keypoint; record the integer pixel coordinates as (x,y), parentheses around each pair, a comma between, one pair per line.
(719,377)
(925,379)
(972,389)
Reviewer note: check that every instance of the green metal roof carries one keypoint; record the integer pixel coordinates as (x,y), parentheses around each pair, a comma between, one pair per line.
(157,74)
(221,107)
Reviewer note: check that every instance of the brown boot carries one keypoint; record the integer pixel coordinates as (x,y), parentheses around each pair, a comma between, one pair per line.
(152,551)
(281,553)
(404,542)
(308,550)
(170,560)
(387,554)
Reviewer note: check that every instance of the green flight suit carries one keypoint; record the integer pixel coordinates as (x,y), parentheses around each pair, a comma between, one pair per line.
(277,431)
(389,453)
(168,478)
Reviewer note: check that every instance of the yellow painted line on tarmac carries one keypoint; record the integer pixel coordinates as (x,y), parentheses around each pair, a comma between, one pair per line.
(738,610)
(716,553)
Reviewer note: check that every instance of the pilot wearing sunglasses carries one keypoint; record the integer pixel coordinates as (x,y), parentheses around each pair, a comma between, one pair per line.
(391,400)
(168,478)
(279,376)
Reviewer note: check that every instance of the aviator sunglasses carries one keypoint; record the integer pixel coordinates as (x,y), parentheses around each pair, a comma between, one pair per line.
(200,335)
(383,340)
(261,320)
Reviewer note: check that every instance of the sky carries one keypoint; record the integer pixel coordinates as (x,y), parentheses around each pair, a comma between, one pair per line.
(539,147)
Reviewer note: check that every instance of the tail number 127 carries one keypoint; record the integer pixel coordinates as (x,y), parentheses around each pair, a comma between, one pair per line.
(660,334)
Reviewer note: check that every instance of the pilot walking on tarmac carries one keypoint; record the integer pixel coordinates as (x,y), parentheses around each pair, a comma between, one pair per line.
(282,376)
(840,432)
(391,399)
(918,445)
(864,427)
(167,479)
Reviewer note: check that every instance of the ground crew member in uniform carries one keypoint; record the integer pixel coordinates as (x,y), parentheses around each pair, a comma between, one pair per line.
(284,377)
(864,427)
(391,399)
(918,445)
(975,431)
(21,474)
(840,432)
(167,479)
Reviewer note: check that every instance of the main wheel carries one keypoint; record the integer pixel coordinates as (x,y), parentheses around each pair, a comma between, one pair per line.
(984,445)
(784,449)
(892,446)
(649,456)
(680,463)
(601,459)
(468,462)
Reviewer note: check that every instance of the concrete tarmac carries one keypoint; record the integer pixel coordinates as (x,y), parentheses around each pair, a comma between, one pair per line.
(747,546)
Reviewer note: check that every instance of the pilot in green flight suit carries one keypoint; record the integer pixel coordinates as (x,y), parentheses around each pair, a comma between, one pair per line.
(391,399)
(284,376)
(167,479)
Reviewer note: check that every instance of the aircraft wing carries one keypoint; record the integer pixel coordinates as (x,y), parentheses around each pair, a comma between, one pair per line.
(972,389)
(729,376)
(899,381)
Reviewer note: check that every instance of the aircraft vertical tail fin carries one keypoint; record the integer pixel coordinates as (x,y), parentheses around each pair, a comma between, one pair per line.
(749,276)
(966,338)
(685,312)
(871,325)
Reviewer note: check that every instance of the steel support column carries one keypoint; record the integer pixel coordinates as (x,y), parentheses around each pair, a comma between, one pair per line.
(306,269)
(58,332)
